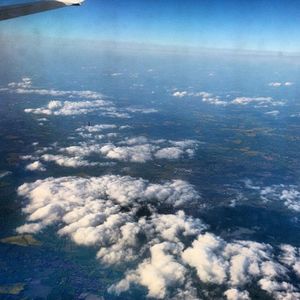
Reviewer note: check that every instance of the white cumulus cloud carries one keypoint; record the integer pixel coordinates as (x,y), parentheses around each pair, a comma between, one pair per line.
(123,218)
(36,166)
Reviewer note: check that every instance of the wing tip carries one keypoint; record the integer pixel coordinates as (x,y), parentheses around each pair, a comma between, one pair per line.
(71,2)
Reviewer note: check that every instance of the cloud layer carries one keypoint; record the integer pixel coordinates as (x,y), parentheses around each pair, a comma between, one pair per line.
(67,108)
(243,101)
(143,226)
(83,102)
(112,146)
(124,219)
(288,195)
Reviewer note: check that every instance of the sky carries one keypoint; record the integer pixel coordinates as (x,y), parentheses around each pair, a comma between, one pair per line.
(232,24)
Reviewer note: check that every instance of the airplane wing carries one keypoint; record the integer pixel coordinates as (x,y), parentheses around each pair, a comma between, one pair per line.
(18,10)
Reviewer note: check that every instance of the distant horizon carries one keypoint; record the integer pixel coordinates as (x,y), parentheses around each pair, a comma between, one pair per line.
(23,39)
(256,26)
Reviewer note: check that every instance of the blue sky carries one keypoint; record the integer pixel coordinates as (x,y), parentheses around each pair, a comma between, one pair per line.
(230,24)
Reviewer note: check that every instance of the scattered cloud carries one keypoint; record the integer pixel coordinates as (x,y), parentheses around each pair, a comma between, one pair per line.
(36,166)
(113,112)
(179,94)
(4,174)
(279,84)
(124,218)
(23,84)
(100,140)
(129,219)
(291,257)
(275,84)
(158,274)
(289,195)
(169,153)
(91,211)
(134,153)
(116,74)
(66,161)
(137,149)
(288,83)
(25,87)
(97,127)
(273,113)
(206,97)
(86,101)
(258,101)
(217,100)
(68,108)
(210,98)
(142,110)
(235,294)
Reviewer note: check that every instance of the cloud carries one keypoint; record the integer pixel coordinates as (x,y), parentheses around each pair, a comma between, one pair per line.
(116,74)
(206,97)
(169,153)
(137,149)
(97,128)
(258,101)
(216,100)
(289,195)
(23,84)
(97,131)
(89,101)
(138,140)
(66,161)
(36,166)
(279,84)
(159,149)
(275,84)
(291,257)
(42,119)
(142,225)
(235,294)
(25,87)
(123,218)
(210,98)
(68,108)
(60,93)
(135,153)
(123,127)
(91,211)
(279,290)
(236,264)
(184,144)
(273,113)
(158,273)
(296,115)
(115,113)
(179,94)
(203,255)
(288,83)
(29,157)
(142,110)
(4,174)
(203,95)
(105,144)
